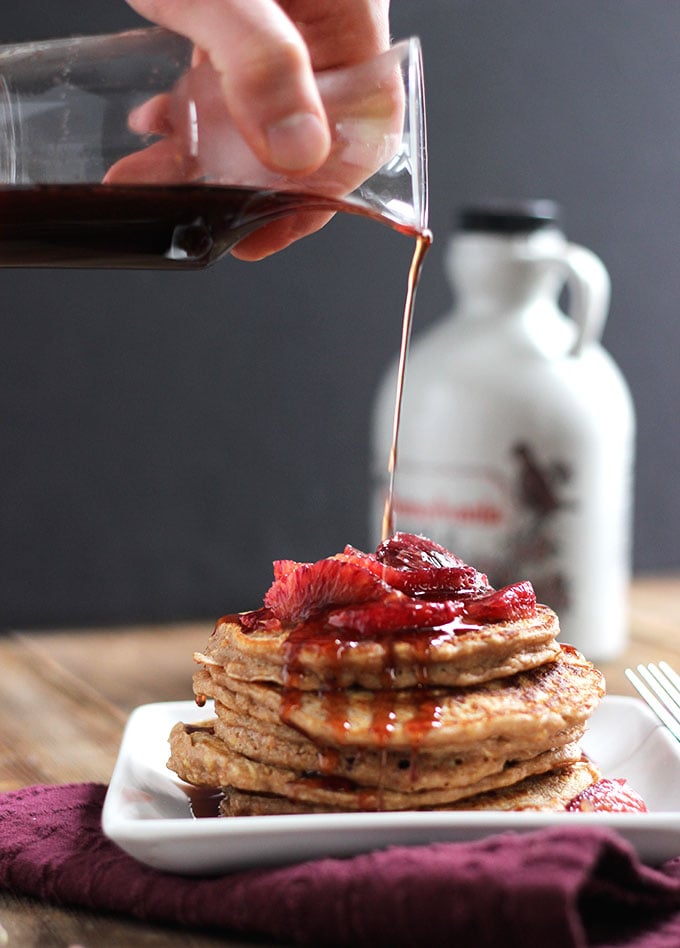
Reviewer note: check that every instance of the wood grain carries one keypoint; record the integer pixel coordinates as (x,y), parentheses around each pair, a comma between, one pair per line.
(25,923)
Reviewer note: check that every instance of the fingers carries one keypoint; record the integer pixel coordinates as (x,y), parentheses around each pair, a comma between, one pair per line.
(152,117)
(265,72)
(160,163)
(279,234)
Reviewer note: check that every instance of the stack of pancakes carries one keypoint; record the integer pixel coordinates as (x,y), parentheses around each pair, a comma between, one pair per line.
(314,717)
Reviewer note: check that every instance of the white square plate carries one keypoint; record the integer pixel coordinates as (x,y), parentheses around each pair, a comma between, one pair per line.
(147,812)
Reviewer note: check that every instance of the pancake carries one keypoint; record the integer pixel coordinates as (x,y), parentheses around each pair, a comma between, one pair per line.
(283,747)
(552,792)
(529,706)
(242,803)
(201,758)
(547,792)
(316,656)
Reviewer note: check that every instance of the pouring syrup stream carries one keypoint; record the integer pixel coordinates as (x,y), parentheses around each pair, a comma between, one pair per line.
(423,244)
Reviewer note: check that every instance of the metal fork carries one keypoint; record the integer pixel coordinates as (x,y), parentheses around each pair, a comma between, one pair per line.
(659,686)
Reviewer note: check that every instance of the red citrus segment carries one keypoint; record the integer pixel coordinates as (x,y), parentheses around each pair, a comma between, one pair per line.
(608,796)
(512,602)
(310,587)
(393,614)
(414,552)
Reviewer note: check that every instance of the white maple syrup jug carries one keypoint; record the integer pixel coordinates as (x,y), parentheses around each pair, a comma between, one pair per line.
(516,442)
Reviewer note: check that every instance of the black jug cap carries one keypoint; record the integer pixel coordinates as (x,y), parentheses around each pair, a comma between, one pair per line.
(509,217)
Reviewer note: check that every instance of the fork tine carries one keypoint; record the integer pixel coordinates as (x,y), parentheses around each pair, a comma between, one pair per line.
(643,687)
(671,674)
(661,677)
(662,689)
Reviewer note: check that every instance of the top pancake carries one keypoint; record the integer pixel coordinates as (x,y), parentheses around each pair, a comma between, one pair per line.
(313,656)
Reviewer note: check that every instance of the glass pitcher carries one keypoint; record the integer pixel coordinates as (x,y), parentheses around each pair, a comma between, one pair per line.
(117,151)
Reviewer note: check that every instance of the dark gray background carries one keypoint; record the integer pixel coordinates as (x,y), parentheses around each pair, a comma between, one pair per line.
(163,437)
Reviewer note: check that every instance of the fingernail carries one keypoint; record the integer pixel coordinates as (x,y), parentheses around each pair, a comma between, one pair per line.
(298,142)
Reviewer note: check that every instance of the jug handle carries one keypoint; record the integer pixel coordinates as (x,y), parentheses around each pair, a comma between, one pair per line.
(589,292)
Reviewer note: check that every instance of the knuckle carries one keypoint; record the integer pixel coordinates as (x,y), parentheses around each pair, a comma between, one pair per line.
(272,70)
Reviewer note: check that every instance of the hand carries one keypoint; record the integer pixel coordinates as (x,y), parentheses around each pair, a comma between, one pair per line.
(265,55)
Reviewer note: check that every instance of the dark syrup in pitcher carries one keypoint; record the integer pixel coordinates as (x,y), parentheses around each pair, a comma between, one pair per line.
(141,226)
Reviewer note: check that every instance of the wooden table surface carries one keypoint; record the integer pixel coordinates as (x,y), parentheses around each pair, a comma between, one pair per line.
(66,696)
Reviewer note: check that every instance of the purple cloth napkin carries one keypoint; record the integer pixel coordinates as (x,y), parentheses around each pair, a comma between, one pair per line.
(562,888)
